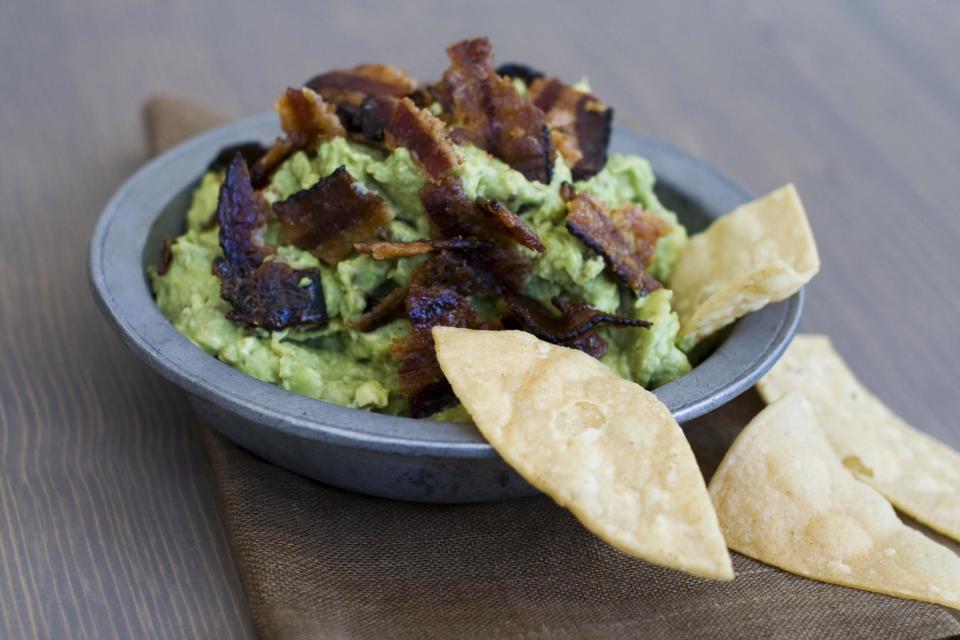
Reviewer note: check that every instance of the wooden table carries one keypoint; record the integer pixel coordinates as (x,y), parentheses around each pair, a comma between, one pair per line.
(109,524)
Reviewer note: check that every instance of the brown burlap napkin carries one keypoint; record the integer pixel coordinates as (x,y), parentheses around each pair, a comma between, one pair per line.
(318,562)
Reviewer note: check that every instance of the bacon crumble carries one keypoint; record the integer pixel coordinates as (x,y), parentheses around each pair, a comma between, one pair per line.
(421,379)
(512,223)
(627,248)
(263,293)
(166,256)
(424,136)
(453,215)
(331,216)
(492,115)
(579,125)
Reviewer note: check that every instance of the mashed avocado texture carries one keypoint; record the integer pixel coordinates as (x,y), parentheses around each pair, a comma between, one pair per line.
(355,369)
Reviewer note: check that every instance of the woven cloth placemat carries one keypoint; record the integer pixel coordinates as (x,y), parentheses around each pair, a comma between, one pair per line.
(318,562)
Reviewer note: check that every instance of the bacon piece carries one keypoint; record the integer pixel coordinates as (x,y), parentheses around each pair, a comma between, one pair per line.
(579,124)
(267,294)
(627,248)
(350,87)
(166,256)
(271,296)
(453,215)
(329,217)
(520,71)
(242,216)
(250,151)
(512,223)
(424,135)
(306,119)
(421,379)
(492,115)
(574,320)
(383,250)
(443,269)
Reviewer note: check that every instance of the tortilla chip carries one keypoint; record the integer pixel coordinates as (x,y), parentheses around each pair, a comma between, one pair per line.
(601,446)
(761,252)
(918,474)
(784,498)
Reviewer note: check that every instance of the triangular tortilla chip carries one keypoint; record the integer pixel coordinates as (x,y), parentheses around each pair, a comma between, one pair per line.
(601,446)
(918,474)
(759,253)
(783,497)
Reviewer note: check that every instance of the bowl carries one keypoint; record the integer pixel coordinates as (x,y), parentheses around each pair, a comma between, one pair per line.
(381,455)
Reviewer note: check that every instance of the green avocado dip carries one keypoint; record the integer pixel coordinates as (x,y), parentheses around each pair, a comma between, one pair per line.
(356,369)
(333,362)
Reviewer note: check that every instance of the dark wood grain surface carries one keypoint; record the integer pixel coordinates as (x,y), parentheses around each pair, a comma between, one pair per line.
(108,520)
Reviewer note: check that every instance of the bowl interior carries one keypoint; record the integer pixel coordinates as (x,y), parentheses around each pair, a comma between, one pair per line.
(130,233)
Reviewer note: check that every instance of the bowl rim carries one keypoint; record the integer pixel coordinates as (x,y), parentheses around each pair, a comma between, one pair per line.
(122,291)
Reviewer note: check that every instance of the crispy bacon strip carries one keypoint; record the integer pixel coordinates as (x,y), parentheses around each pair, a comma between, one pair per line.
(445,269)
(350,87)
(272,296)
(384,250)
(421,379)
(425,136)
(579,124)
(453,215)
(267,294)
(331,216)
(574,320)
(626,252)
(492,115)
(512,223)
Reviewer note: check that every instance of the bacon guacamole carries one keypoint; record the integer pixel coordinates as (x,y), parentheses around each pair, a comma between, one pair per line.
(486,200)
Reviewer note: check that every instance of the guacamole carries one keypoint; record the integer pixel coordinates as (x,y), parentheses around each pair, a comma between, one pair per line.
(356,369)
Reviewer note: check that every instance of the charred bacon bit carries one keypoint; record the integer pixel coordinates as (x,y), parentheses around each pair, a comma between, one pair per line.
(641,230)
(249,151)
(493,115)
(384,250)
(512,223)
(271,296)
(579,125)
(590,343)
(331,216)
(166,256)
(424,135)
(520,71)
(242,216)
(350,87)
(588,220)
(266,294)
(421,379)
(574,320)
(453,215)
(306,118)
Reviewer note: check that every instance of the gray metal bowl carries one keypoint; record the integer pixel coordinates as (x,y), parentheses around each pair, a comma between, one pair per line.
(376,454)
